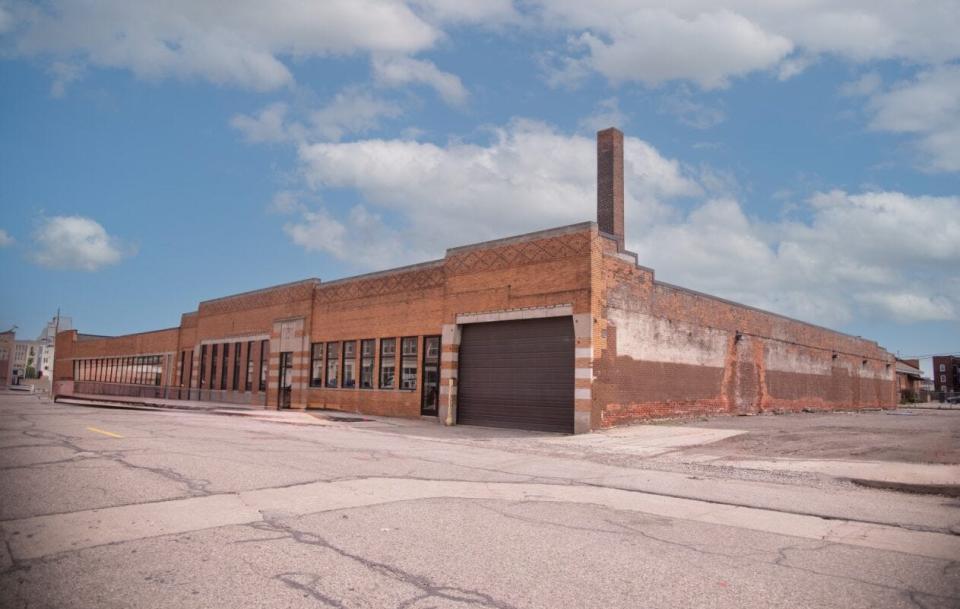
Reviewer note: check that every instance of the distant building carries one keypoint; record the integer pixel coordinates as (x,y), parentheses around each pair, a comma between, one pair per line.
(47,344)
(24,359)
(909,379)
(946,373)
(7,343)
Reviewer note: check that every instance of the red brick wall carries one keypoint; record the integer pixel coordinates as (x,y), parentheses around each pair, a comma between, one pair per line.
(665,351)
(512,274)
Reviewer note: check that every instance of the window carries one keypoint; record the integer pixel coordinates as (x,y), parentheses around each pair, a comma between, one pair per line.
(943,367)
(388,362)
(264,355)
(367,350)
(349,364)
(236,366)
(333,363)
(183,366)
(248,385)
(190,370)
(203,361)
(943,378)
(431,375)
(316,365)
(408,363)
(223,369)
(213,367)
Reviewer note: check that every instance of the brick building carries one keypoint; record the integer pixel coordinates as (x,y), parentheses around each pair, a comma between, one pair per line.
(556,330)
(946,373)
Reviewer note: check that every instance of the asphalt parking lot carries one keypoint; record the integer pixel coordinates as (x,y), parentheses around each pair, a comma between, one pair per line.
(122,508)
(902,435)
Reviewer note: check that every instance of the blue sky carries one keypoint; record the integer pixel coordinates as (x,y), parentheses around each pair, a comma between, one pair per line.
(804,159)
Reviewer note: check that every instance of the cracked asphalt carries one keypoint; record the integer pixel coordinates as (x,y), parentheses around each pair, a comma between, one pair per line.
(196,510)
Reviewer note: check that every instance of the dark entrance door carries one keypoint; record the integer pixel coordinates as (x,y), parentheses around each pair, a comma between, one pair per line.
(431,376)
(517,374)
(285,384)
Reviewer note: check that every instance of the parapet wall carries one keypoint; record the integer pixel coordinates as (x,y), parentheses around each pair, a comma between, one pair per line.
(670,352)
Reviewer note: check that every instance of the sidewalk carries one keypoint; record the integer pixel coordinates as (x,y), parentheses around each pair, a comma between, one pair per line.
(294,417)
(931,406)
(152,402)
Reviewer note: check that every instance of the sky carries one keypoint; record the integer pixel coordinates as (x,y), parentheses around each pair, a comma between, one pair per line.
(797,156)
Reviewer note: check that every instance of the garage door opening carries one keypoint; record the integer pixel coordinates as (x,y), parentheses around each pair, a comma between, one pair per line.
(517,374)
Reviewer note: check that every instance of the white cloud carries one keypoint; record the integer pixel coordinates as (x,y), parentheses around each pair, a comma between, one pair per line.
(652,41)
(353,110)
(5,239)
(682,105)
(528,177)
(240,43)
(929,108)
(75,243)
(607,113)
(881,254)
(488,12)
(656,46)
(396,71)
(361,239)
(63,75)
(868,84)
(267,126)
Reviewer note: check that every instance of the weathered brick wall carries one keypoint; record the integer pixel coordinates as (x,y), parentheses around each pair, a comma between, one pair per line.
(528,272)
(669,352)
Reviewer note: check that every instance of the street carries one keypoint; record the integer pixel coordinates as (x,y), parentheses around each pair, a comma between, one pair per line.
(106,507)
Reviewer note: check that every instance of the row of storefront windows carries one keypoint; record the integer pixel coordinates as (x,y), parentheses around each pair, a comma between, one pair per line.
(137,370)
(223,357)
(353,364)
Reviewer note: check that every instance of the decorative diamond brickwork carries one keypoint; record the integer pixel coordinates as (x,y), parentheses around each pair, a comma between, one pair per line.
(517,254)
(376,286)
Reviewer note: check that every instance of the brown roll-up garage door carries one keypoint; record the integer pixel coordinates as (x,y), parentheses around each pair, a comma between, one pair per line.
(517,374)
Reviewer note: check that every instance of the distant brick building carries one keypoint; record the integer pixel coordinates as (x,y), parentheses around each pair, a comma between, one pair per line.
(946,373)
(555,330)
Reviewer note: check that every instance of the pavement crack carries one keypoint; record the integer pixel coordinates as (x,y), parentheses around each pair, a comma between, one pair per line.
(429,588)
(309,588)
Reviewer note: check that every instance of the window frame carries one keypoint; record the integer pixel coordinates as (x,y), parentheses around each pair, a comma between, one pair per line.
(248,373)
(393,369)
(353,365)
(414,340)
(264,364)
(224,366)
(373,361)
(332,381)
(316,373)
(236,367)
(203,366)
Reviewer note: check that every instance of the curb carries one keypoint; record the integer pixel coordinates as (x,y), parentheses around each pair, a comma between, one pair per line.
(944,490)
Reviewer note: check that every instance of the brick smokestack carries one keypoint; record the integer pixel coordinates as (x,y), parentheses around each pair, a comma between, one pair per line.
(610,183)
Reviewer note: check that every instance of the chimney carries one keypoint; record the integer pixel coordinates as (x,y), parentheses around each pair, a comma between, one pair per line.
(610,183)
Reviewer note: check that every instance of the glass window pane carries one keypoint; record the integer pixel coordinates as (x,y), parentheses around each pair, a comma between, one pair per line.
(264,362)
(333,363)
(408,363)
(388,362)
(367,351)
(349,364)
(431,374)
(316,364)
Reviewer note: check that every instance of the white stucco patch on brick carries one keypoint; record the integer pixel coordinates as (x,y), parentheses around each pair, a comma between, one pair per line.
(646,338)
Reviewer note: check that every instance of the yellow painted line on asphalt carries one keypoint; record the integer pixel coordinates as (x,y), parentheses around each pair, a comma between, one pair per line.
(106,433)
